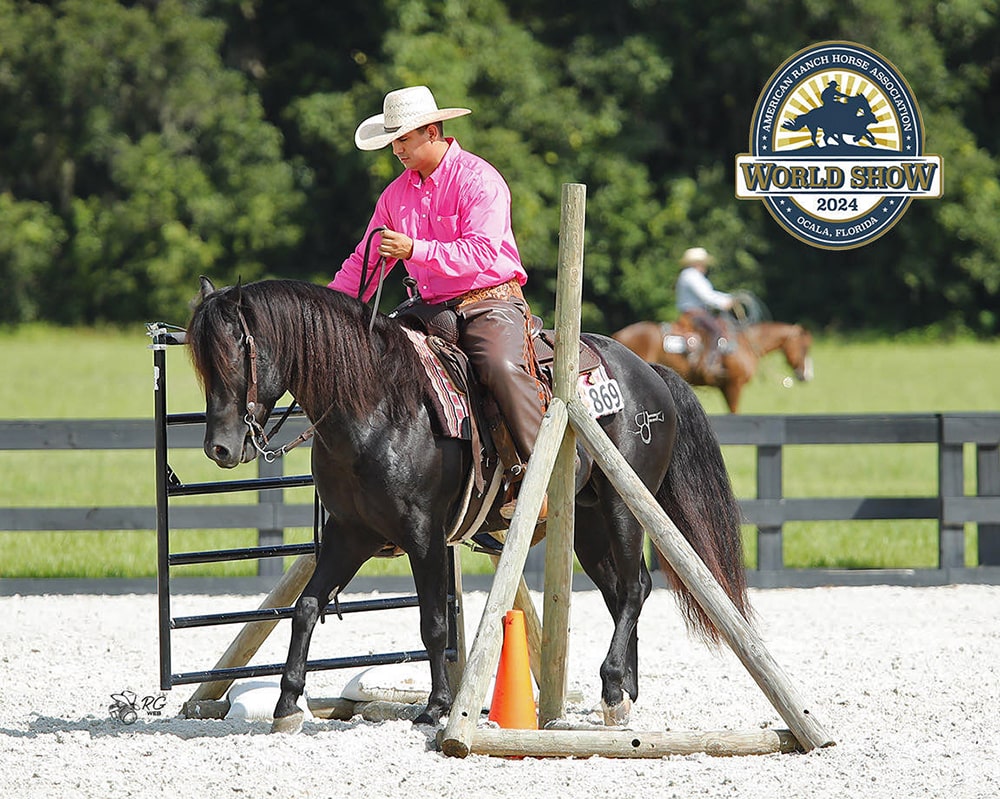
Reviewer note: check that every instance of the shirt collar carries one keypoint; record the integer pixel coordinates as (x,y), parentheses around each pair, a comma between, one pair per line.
(450,156)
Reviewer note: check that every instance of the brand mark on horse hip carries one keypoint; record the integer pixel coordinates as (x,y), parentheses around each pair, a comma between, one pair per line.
(643,420)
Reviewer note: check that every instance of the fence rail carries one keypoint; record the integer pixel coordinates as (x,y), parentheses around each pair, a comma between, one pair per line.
(769,510)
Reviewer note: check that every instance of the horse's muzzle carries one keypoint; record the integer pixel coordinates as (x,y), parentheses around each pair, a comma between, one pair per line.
(229,457)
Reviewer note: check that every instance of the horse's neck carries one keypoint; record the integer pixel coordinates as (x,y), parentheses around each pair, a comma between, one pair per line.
(769,336)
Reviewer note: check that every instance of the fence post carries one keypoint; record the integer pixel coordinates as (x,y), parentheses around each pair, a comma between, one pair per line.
(769,537)
(951,484)
(988,485)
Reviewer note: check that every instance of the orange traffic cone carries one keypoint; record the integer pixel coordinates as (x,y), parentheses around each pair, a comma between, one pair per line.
(513,705)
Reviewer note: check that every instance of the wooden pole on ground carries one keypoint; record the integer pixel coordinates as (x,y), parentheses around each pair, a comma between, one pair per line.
(740,636)
(254,633)
(629,743)
(485,653)
(559,528)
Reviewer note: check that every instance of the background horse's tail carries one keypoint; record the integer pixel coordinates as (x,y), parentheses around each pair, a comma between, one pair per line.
(698,497)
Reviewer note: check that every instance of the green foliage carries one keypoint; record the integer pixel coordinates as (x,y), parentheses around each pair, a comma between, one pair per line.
(144,143)
(154,159)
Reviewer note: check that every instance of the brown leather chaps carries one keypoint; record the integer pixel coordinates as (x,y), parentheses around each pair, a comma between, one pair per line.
(494,334)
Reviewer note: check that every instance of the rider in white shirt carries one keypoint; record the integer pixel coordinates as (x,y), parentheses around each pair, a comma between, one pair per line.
(699,300)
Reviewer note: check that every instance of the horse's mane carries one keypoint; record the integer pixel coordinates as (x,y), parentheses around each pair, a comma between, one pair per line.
(319,341)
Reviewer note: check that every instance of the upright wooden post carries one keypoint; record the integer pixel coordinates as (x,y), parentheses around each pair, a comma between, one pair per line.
(456,740)
(559,529)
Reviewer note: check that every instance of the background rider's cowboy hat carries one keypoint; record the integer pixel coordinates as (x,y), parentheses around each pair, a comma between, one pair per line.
(403,110)
(695,255)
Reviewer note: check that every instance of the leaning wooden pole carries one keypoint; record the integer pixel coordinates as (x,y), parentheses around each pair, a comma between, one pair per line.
(559,528)
(740,636)
(456,739)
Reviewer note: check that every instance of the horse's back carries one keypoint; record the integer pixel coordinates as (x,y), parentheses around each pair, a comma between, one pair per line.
(645,339)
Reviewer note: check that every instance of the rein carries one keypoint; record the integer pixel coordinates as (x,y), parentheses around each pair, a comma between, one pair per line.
(366,277)
(258,437)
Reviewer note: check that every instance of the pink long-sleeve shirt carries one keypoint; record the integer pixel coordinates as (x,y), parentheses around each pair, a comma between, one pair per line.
(459,220)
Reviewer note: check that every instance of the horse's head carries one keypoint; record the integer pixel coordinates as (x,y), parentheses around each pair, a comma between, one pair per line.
(796,348)
(237,372)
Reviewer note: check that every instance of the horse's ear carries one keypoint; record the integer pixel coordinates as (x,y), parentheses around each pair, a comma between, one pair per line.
(207,287)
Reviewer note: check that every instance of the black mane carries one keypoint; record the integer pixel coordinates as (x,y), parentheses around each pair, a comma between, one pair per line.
(319,340)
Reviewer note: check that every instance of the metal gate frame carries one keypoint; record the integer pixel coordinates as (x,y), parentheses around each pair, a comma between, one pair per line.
(169,485)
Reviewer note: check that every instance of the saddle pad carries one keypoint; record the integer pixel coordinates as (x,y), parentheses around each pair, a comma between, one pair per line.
(450,406)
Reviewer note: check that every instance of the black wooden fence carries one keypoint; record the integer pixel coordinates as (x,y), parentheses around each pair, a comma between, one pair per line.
(769,510)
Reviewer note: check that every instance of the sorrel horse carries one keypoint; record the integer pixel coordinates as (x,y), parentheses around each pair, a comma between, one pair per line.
(384,477)
(649,340)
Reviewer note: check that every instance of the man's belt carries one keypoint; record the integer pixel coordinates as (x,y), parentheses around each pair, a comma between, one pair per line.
(505,291)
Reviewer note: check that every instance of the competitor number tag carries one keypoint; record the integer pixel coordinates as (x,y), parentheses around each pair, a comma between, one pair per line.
(600,394)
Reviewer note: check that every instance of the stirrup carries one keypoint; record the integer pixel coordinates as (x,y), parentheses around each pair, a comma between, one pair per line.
(507,509)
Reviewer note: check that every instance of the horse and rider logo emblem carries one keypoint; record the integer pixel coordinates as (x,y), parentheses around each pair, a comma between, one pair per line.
(837,147)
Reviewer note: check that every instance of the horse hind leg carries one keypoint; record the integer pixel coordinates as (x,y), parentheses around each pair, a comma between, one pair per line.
(430,577)
(605,558)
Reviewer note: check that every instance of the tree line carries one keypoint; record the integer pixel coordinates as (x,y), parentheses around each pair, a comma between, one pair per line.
(145,143)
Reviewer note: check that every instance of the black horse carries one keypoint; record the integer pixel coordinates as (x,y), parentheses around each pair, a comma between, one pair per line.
(386,479)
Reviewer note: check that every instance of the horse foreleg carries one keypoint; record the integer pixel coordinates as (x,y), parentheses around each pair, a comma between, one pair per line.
(731,391)
(338,563)
(287,714)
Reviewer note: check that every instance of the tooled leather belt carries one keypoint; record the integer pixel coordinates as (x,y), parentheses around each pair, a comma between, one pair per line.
(504,291)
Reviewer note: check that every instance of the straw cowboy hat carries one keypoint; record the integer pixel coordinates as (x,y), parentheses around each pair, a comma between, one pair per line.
(695,255)
(403,110)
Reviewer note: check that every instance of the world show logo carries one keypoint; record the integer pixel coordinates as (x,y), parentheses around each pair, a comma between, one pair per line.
(837,147)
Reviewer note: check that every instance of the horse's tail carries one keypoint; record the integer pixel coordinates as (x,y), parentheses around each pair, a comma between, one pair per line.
(794,123)
(698,497)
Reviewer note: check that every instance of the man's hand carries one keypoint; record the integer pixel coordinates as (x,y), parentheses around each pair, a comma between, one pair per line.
(395,245)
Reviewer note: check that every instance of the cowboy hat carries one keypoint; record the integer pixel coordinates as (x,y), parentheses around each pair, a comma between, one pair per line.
(695,255)
(403,110)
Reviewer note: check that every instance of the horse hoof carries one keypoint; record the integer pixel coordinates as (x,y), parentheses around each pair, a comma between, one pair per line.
(288,724)
(617,715)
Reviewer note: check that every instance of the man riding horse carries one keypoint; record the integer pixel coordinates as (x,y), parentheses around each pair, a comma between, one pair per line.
(839,115)
(447,216)
(697,301)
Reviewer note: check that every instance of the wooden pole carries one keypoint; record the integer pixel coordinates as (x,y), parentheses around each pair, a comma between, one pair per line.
(559,528)
(254,633)
(485,653)
(740,636)
(532,624)
(628,744)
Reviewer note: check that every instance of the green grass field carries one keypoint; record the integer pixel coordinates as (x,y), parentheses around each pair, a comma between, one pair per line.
(106,374)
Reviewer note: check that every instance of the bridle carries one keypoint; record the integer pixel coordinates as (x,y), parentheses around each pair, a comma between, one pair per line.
(258,437)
